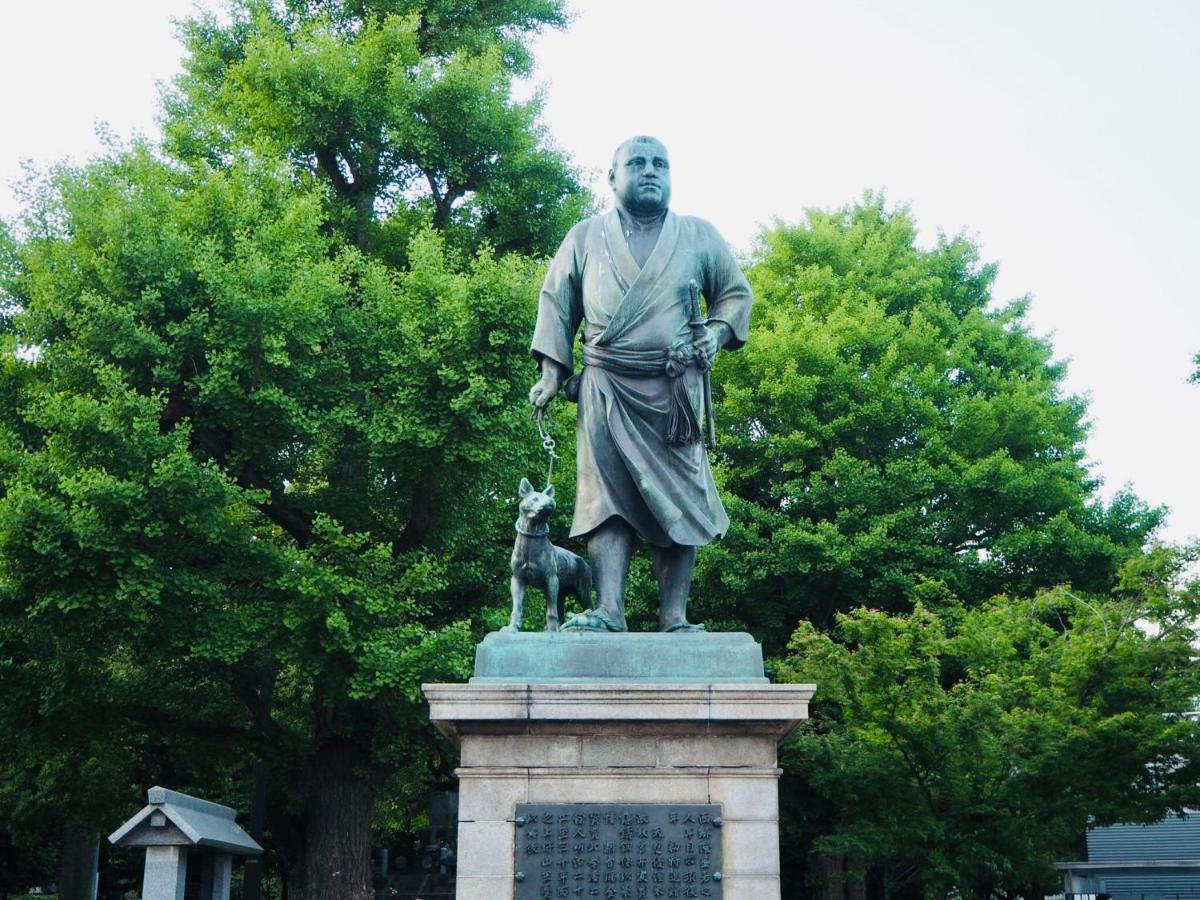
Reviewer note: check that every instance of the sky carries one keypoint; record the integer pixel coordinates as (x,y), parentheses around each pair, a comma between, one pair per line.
(1062,136)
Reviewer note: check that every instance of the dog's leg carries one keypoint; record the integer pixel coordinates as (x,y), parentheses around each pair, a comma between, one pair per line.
(517,589)
(553,608)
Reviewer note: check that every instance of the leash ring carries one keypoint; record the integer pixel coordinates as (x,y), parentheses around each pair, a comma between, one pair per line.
(547,444)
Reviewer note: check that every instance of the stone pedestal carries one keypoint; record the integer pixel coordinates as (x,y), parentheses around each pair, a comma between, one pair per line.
(591,658)
(618,738)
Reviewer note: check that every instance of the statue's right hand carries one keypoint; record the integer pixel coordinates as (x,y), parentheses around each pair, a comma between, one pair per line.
(545,389)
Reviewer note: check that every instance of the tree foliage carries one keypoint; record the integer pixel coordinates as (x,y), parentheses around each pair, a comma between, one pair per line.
(261,414)
(967,750)
(234,456)
(890,429)
(261,417)
(910,502)
(404,112)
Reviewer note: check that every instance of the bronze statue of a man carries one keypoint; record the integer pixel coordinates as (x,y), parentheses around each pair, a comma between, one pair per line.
(632,277)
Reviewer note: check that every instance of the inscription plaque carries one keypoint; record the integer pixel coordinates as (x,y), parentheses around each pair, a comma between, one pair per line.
(639,851)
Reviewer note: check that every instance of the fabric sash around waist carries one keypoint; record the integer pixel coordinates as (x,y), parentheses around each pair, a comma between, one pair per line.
(631,363)
(683,423)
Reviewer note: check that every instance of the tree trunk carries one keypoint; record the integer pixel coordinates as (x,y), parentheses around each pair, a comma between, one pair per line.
(252,869)
(856,887)
(829,883)
(337,826)
(80,859)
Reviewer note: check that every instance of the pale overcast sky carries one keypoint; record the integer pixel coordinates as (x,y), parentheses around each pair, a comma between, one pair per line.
(1062,134)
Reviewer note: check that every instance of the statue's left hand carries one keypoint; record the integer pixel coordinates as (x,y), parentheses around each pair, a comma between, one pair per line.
(547,386)
(712,339)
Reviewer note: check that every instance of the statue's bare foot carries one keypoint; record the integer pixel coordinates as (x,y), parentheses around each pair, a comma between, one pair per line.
(682,626)
(592,620)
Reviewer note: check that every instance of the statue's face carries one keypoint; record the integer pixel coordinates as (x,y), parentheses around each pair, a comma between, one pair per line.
(641,177)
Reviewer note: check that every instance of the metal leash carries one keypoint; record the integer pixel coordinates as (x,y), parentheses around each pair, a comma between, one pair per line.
(547,445)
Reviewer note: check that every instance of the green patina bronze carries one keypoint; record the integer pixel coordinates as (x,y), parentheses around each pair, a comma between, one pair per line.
(648,658)
(629,283)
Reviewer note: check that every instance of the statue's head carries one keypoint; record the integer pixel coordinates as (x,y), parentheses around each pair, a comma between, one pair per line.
(641,175)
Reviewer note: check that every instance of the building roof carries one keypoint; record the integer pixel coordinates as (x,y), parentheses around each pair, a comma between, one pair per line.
(1122,865)
(1172,838)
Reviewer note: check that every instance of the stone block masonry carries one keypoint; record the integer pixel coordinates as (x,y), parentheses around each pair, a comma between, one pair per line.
(618,742)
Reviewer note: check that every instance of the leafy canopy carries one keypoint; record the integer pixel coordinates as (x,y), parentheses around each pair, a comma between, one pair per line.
(891,430)
(403,111)
(213,455)
(261,393)
(968,753)
(909,498)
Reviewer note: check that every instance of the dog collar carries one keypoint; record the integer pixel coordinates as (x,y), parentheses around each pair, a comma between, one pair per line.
(543,533)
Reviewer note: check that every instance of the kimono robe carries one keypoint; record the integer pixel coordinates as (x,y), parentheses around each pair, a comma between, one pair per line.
(626,466)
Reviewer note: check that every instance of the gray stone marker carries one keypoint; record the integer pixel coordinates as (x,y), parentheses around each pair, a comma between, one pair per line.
(174,828)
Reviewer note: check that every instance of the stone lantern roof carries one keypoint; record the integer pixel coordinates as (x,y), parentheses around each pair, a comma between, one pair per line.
(174,819)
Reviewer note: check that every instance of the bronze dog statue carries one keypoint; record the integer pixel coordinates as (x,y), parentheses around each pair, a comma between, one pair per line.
(537,562)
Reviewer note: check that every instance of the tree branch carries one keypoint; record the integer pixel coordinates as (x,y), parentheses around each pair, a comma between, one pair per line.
(177,407)
(328,160)
(260,713)
(216,444)
(443,201)
(294,521)
(420,517)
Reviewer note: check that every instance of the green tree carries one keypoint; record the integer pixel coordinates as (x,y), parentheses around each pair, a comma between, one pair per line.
(905,473)
(967,750)
(207,479)
(402,110)
(262,409)
(889,426)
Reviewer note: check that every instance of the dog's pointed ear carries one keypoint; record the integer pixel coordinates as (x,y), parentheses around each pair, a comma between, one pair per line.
(526,488)
(549,490)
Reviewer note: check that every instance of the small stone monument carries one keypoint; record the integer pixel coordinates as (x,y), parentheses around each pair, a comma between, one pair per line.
(174,828)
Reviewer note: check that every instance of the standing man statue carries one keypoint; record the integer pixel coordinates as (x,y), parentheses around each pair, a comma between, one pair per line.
(632,277)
